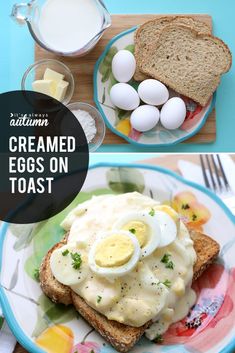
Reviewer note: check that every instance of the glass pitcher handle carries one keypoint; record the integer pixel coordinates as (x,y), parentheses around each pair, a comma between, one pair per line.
(21,12)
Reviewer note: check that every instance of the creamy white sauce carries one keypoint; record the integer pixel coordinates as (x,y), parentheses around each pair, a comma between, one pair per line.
(139,296)
(68,25)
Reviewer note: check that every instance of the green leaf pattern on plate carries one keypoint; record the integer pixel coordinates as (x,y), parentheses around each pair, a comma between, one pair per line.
(105,67)
(1,322)
(23,233)
(131,48)
(112,82)
(49,313)
(122,180)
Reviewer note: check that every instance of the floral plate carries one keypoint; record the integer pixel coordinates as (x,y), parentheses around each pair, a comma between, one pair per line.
(118,121)
(42,326)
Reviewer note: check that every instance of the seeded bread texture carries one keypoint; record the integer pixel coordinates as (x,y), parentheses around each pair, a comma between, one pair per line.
(120,336)
(149,32)
(187,62)
(207,250)
(55,290)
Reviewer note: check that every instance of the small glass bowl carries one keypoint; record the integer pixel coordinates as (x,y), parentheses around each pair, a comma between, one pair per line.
(96,142)
(36,72)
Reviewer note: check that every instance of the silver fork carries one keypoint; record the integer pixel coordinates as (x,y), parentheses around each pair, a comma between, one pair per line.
(216,180)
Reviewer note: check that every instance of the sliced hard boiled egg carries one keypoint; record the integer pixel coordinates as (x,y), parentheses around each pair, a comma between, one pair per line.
(144,227)
(168,228)
(170,211)
(65,266)
(114,254)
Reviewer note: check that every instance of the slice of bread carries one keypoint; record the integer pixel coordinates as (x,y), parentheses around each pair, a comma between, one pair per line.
(55,290)
(149,32)
(189,63)
(121,337)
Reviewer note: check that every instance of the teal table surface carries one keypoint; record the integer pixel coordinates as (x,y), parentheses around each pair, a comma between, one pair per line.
(17,53)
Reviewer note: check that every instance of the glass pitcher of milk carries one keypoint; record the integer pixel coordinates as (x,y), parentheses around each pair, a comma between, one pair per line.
(64,27)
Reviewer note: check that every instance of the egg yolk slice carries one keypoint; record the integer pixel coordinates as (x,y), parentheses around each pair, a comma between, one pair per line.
(139,229)
(114,251)
(170,211)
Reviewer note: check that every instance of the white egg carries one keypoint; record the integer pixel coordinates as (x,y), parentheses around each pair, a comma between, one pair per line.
(123,66)
(62,268)
(153,92)
(144,227)
(168,228)
(173,113)
(116,271)
(144,118)
(124,96)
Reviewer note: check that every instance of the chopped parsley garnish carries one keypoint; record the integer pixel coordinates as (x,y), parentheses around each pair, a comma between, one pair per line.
(152,212)
(167,283)
(132,230)
(36,274)
(77,261)
(99,298)
(65,253)
(166,260)
(170,265)
(185,206)
(194,217)
(158,339)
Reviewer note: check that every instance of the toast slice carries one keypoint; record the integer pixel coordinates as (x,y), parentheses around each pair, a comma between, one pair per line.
(56,291)
(188,62)
(149,32)
(121,337)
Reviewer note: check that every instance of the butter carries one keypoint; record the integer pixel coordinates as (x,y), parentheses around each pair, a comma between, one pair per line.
(114,251)
(61,89)
(52,84)
(44,86)
(53,75)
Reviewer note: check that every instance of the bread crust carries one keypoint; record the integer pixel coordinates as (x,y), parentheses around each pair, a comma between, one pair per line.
(120,336)
(53,289)
(202,100)
(167,20)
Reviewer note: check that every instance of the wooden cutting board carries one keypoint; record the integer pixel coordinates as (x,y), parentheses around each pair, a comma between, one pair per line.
(82,69)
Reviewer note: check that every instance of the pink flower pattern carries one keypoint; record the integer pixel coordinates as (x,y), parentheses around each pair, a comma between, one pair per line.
(213,315)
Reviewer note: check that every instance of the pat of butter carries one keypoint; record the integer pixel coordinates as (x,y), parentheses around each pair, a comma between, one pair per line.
(53,75)
(44,86)
(61,89)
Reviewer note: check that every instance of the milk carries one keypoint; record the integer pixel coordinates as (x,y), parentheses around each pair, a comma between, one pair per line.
(68,25)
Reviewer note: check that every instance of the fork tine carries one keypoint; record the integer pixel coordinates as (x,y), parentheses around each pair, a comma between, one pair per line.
(223,173)
(216,171)
(204,172)
(211,173)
